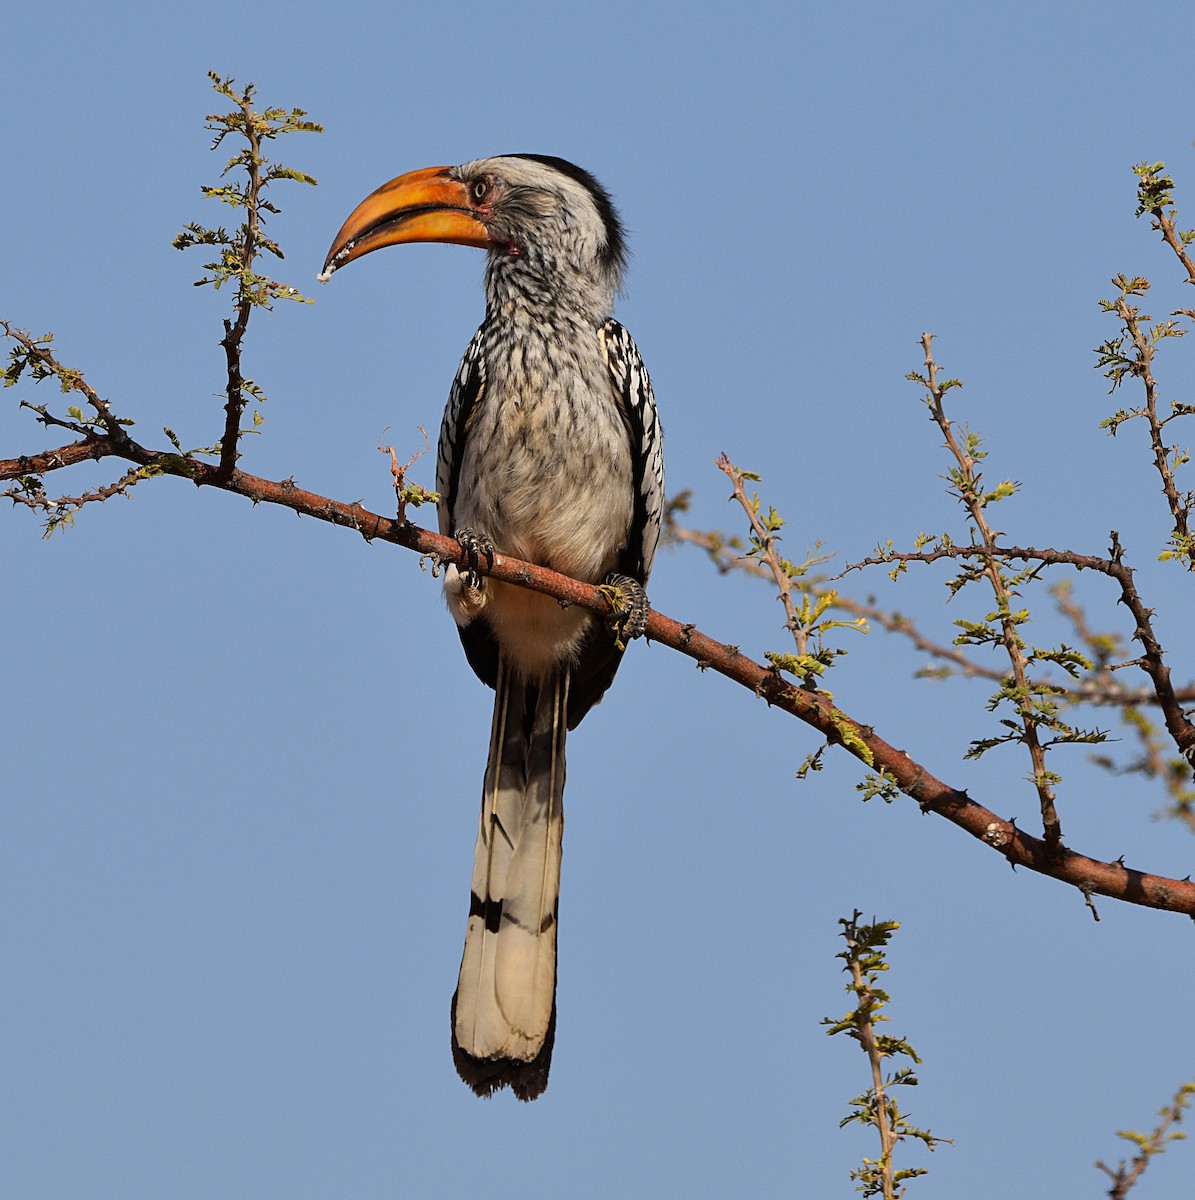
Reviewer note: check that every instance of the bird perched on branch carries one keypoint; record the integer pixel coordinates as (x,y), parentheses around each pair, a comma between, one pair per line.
(550,451)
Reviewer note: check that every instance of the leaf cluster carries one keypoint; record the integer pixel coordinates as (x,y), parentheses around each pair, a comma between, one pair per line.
(253,173)
(878,785)
(1155,195)
(33,356)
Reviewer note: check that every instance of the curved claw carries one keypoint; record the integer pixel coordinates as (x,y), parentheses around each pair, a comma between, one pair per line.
(476,546)
(629,608)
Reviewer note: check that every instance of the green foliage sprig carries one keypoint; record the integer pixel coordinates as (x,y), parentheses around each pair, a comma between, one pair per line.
(1034,702)
(806,610)
(253,173)
(807,605)
(865,962)
(1155,195)
(1149,1145)
(240,250)
(1131,354)
(100,431)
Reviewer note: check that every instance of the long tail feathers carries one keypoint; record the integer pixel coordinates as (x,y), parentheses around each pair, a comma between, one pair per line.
(504,1010)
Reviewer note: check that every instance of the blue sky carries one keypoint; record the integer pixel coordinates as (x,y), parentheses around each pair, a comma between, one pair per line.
(244,752)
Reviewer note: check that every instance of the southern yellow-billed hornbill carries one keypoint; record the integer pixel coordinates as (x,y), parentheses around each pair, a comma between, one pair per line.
(550,451)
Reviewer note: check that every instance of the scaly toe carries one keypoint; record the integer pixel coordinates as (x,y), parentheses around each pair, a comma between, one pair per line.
(628,620)
(476,547)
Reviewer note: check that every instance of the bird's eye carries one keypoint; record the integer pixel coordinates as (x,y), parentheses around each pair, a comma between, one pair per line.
(480,189)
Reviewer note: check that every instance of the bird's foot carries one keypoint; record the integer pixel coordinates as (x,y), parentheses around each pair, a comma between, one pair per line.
(476,547)
(629,608)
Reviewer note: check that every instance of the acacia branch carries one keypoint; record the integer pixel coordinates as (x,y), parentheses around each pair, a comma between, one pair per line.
(814,708)
(1165,224)
(765,539)
(807,704)
(1152,660)
(53,460)
(865,1031)
(725,554)
(37,357)
(61,510)
(967,486)
(1143,344)
(1155,195)
(234,331)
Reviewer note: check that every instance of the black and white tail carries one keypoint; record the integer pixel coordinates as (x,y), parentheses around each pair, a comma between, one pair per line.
(504,1010)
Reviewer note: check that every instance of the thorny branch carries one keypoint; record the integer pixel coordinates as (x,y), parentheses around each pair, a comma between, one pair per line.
(104,435)
(1152,660)
(726,555)
(42,364)
(1154,761)
(866,963)
(967,486)
(238,253)
(61,510)
(865,1031)
(1155,195)
(234,330)
(769,556)
(1144,345)
(807,621)
(816,709)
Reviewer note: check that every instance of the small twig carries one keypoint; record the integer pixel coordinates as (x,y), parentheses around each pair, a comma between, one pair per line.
(61,509)
(37,357)
(409,493)
(865,1032)
(234,331)
(726,556)
(865,958)
(1149,1146)
(1155,195)
(1153,661)
(1131,317)
(968,490)
(769,557)
(237,253)
(806,621)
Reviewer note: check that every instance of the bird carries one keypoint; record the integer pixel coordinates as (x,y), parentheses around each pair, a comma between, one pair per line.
(550,451)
